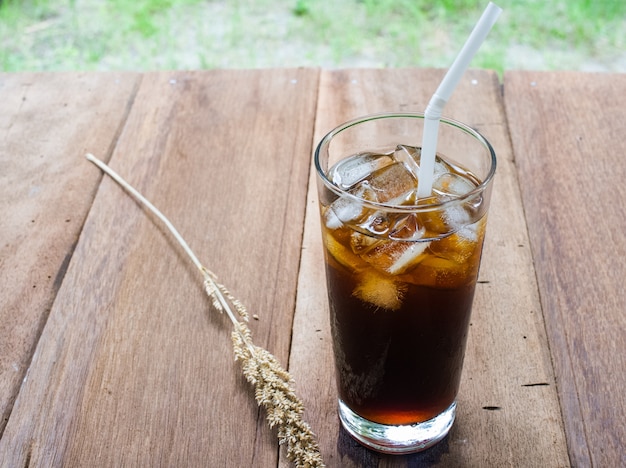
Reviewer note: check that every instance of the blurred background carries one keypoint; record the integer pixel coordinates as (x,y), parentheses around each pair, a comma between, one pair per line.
(586,35)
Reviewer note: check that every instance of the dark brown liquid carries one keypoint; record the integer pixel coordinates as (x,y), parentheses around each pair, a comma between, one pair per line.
(401,366)
(400,306)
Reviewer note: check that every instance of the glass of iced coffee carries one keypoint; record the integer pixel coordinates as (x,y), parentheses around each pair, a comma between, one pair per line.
(401,272)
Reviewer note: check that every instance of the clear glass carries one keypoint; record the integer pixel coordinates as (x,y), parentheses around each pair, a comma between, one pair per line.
(400,272)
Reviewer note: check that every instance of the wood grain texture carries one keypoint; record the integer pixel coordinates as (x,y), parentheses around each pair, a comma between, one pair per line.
(134,368)
(568,133)
(507,362)
(47,122)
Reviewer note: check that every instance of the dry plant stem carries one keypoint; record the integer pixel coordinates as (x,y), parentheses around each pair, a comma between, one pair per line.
(272,383)
(208,275)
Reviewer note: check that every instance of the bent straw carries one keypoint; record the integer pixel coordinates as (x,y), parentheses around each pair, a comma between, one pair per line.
(432,115)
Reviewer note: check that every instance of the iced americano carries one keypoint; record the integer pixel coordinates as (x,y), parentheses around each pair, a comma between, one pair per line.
(401,274)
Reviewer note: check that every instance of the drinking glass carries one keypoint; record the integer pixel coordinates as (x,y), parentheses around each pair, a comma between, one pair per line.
(401,272)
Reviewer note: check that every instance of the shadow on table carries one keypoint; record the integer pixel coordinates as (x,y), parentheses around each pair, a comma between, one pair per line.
(350,449)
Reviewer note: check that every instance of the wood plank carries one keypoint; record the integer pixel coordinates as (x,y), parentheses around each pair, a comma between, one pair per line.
(145,375)
(507,363)
(47,121)
(567,131)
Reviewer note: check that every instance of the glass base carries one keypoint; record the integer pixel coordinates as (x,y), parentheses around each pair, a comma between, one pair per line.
(398,439)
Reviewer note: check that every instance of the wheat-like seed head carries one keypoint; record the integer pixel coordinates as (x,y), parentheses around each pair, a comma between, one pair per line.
(273,391)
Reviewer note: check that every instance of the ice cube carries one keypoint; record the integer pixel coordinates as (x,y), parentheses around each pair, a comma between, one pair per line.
(347,209)
(410,157)
(344,209)
(393,183)
(472,232)
(376,224)
(354,169)
(407,156)
(448,186)
(361,243)
(455,247)
(395,257)
(439,168)
(456,217)
(468,233)
(406,228)
(461,246)
(413,253)
(452,185)
(380,290)
(441,272)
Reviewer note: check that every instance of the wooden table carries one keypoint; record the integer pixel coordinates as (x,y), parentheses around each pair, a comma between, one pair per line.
(111,354)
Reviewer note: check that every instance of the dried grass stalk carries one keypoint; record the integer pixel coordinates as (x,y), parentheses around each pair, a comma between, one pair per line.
(273,386)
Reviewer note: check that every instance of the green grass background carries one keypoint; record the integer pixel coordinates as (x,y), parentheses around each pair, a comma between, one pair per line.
(198,34)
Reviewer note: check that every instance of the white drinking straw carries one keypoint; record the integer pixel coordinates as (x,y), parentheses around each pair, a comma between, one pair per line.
(432,115)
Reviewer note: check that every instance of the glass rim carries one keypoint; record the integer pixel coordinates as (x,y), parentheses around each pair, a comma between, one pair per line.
(479,189)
